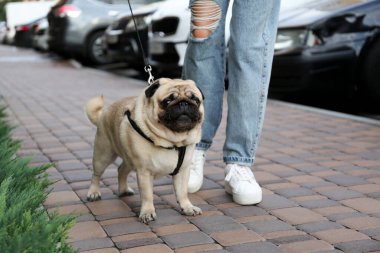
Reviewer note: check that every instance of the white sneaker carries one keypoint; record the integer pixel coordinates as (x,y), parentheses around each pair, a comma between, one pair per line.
(196,171)
(241,183)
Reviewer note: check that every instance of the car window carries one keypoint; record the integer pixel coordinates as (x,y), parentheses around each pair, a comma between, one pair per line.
(338,4)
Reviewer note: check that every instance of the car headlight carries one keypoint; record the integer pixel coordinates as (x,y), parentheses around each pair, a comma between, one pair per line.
(142,22)
(295,38)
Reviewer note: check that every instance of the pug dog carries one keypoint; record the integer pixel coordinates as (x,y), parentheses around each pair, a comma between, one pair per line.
(154,134)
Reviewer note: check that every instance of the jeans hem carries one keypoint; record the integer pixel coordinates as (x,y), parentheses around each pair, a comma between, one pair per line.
(203,146)
(244,161)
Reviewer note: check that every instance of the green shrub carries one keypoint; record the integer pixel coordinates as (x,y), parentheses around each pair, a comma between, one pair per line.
(25,226)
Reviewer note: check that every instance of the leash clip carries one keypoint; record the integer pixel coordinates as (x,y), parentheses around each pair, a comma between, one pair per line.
(148,70)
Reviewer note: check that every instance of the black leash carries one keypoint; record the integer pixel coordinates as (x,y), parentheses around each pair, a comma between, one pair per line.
(147,67)
(181,150)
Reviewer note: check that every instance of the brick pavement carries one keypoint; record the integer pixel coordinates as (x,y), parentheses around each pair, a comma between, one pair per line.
(320,173)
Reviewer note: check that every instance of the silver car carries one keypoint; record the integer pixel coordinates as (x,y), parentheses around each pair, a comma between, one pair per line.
(76,26)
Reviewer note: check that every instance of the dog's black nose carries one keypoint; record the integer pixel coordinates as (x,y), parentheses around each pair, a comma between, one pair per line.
(183,104)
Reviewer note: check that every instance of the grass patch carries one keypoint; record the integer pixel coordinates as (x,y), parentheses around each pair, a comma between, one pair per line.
(25,225)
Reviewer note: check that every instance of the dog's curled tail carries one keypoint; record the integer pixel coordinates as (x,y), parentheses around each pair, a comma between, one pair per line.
(94,109)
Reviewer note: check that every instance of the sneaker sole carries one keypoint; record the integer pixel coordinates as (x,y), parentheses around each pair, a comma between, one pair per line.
(241,199)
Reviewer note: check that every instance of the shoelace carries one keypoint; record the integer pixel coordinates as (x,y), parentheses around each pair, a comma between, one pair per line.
(240,173)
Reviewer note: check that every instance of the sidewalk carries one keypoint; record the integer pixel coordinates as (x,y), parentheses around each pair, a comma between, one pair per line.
(320,172)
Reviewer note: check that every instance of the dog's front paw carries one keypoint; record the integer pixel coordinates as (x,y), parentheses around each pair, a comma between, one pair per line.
(147,216)
(191,210)
(93,194)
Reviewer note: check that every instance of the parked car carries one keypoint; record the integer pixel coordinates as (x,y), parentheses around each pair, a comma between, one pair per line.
(322,45)
(168,34)
(3,30)
(120,39)
(40,35)
(328,46)
(76,26)
(24,33)
(21,13)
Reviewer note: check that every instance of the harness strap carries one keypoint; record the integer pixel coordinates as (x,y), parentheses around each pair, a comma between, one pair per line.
(181,150)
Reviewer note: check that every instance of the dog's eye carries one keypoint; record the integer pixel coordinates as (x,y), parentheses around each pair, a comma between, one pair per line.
(165,102)
(194,98)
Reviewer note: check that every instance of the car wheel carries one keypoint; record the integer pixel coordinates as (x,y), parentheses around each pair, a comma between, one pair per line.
(95,52)
(371,72)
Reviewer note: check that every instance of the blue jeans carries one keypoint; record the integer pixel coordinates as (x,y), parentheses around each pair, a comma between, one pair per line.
(253,30)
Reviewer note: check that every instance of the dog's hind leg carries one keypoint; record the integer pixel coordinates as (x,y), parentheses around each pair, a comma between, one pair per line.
(123,171)
(103,156)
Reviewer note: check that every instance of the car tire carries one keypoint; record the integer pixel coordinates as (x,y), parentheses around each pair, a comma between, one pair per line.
(95,52)
(371,72)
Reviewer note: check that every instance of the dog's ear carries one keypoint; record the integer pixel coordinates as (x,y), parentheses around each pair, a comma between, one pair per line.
(152,89)
(203,96)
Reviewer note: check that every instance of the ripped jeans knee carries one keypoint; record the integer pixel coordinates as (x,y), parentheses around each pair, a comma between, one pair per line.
(205,17)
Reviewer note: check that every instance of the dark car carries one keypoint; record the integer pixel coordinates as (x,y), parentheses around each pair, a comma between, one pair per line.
(76,26)
(328,46)
(120,40)
(24,34)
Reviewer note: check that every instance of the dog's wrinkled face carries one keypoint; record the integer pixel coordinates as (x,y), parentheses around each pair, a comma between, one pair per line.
(177,103)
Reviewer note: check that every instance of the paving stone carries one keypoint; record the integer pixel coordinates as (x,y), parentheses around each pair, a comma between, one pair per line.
(243,211)
(274,201)
(306,246)
(268,226)
(115,215)
(199,248)
(371,232)
(257,247)
(91,244)
(346,180)
(342,216)
(285,233)
(234,237)
(126,228)
(138,242)
(102,207)
(319,203)
(297,215)
(220,199)
(295,192)
(132,237)
(108,250)
(167,217)
(340,235)
(325,211)
(186,239)
(291,239)
(361,223)
(342,194)
(156,248)
(173,229)
(318,226)
(86,230)
(216,224)
(365,205)
(61,198)
(70,165)
(359,246)
(77,175)
(70,209)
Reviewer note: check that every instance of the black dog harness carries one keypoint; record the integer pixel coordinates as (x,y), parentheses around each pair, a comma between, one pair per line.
(181,150)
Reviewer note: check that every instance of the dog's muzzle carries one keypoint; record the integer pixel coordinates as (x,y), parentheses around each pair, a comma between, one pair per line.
(181,116)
